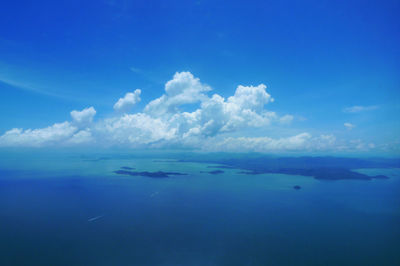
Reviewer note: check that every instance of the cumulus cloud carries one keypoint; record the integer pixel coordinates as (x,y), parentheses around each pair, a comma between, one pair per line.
(214,123)
(129,100)
(214,116)
(219,115)
(184,88)
(349,126)
(135,130)
(84,117)
(359,108)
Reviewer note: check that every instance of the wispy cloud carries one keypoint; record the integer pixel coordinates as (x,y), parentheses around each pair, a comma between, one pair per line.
(136,70)
(349,126)
(24,86)
(360,108)
(149,76)
(37,89)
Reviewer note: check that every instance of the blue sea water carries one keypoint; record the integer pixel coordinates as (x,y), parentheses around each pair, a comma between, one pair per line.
(71,209)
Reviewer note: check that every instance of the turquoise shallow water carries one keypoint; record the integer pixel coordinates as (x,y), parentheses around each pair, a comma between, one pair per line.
(69,209)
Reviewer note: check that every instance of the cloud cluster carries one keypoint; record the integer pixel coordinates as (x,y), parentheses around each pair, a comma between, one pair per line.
(38,137)
(219,115)
(76,131)
(164,121)
(184,116)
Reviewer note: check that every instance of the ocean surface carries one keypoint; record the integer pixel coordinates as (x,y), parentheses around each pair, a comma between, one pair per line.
(72,209)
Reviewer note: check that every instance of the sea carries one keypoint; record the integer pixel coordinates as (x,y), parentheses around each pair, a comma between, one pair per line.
(71,208)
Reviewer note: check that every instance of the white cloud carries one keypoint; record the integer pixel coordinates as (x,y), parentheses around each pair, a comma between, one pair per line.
(184,88)
(359,108)
(303,142)
(81,137)
(134,130)
(244,109)
(38,137)
(135,70)
(349,126)
(84,117)
(57,134)
(129,100)
(214,124)
(252,98)
(260,144)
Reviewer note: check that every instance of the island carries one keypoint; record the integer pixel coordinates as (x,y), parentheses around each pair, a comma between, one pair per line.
(127,168)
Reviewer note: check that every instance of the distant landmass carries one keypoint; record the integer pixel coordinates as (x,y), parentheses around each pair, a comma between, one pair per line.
(318,173)
(323,168)
(158,174)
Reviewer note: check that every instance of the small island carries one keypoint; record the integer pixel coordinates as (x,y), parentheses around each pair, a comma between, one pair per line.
(127,168)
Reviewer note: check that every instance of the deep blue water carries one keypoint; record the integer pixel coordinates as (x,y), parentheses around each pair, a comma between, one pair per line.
(73,210)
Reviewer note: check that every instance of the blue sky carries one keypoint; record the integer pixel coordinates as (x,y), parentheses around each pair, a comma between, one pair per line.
(316,58)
